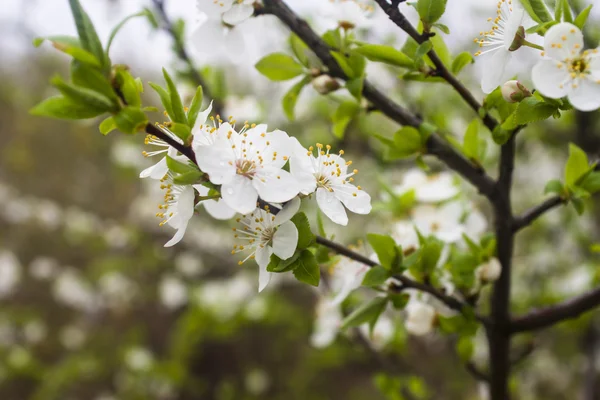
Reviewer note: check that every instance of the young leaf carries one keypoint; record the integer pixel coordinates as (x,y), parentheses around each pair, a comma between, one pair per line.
(554,186)
(279,67)
(182,131)
(179,167)
(342,117)
(305,236)
(291,97)
(63,108)
(471,140)
(461,61)
(407,141)
(165,99)
(563,11)
(537,10)
(131,120)
(307,270)
(577,165)
(385,54)
(195,107)
(385,248)
(107,126)
(85,97)
(355,86)
(176,104)
(278,265)
(532,110)
(300,50)
(423,49)
(87,76)
(376,276)
(71,46)
(591,183)
(366,313)
(87,34)
(583,17)
(430,10)
(129,88)
(145,13)
(188,178)
(343,63)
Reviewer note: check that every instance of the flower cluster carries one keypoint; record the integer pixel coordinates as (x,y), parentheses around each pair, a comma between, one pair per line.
(245,171)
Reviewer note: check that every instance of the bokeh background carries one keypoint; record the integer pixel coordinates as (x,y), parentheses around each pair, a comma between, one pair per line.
(92,306)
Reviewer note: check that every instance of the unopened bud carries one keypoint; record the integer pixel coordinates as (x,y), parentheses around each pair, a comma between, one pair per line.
(420,318)
(325,84)
(489,271)
(514,91)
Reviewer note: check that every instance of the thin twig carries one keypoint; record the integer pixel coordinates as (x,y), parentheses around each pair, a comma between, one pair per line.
(476,372)
(441,70)
(529,216)
(183,54)
(549,316)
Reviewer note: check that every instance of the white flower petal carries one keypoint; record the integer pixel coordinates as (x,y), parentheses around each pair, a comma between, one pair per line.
(548,78)
(238,13)
(217,160)
(275,185)
(331,206)
(214,8)
(355,200)
(285,240)
(218,209)
(512,26)
(495,70)
(287,212)
(562,41)
(178,236)
(586,96)
(206,35)
(262,257)
(157,171)
(240,195)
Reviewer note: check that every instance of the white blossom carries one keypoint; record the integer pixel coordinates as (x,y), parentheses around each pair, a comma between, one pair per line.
(498,40)
(346,14)
(568,70)
(489,271)
(264,234)
(449,221)
(429,188)
(217,209)
(328,175)
(178,208)
(420,317)
(247,164)
(326,325)
(345,276)
(231,12)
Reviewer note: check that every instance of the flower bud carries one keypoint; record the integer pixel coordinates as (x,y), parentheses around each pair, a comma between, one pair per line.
(420,318)
(325,84)
(514,91)
(489,271)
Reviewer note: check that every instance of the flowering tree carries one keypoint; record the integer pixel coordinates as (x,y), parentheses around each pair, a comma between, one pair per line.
(434,266)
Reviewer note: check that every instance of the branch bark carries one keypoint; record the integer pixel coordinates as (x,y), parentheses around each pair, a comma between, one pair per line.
(549,316)
(435,145)
(529,216)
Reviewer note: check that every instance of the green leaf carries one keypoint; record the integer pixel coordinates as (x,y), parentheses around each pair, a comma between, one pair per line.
(305,236)
(385,248)
(423,49)
(87,76)
(554,186)
(367,313)
(129,88)
(87,34)
(86,97)
(591,183)
(399,300)
(63,108)
(376,276)
(385,54)
(278,265)
(179,167)
(442,28)
(342,117)
(189,178)
(131,120)
(582,18)
(563,11)
(501,135)
(430,254)
(333,38)
(343,63)
(577,165)
(407,142)
(461,61)
(195,107)
(578,204)
(471,140)
(537,10)
(182,131)
(355,86)
(279,67)
(532,110)
(358,63)
(145,13)
(72,46)
(430,10)
(465,348)
(307,270)
(300,50)
(291,97)
(165,99)
(176,104)
(439,46)
(107,126)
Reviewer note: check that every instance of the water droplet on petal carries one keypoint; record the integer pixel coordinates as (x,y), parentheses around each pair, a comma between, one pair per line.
(222,163)
(230,191)
(329,199)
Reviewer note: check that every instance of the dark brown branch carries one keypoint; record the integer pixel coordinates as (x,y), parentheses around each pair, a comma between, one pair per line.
(185,150)
(529,216)
(185,57)
(435,145)
(441,70)
(406,282)
(549,316)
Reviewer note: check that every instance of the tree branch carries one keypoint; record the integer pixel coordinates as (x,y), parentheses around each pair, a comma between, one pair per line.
(441,70)
(183,149)
(185,57)
(435,145)
(529,216)
(405,281)
(549,316)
